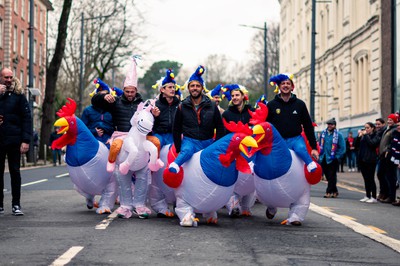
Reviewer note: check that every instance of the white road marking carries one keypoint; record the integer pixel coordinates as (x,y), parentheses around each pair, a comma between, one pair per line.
(62,175)
(67,256)
(359,228)
(106,222)
(34,182)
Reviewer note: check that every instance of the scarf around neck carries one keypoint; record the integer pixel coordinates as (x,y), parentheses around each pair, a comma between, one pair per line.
(334,142)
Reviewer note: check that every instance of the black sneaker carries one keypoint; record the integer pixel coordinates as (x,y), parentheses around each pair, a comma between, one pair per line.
(16,210)
(1,210)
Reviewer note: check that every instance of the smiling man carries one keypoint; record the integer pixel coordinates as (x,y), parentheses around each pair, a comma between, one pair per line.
(196,119)
(290,116)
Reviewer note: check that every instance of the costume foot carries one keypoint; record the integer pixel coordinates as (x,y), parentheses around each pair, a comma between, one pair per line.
(189,220)
(246,213)
(103,210)
(311,167)
(165,214)
(296,223)
(173,168)
(142,212)
(212,220)
(110,167)
(171,179)
(95,204)
(123,212)
(235,213)
(89,203)
(269,215)
(124,168)
(156,166)
(315,176)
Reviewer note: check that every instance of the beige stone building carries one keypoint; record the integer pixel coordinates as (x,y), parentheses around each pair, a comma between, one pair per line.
(349,59)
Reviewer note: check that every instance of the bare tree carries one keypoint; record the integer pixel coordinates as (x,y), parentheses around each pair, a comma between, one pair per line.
(52,75)
(256,64)
(111,35)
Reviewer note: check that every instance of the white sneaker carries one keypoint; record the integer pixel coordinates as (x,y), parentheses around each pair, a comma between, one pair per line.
(174,168)
(365,199)
(311,167)
(372,200)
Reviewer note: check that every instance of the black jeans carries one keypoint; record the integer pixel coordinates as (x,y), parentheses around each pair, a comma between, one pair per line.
(368,173)
(14,163)
(330,174)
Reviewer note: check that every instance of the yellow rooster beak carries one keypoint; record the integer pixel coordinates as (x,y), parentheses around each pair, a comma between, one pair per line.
(63,124)
(247,142)
(259,131)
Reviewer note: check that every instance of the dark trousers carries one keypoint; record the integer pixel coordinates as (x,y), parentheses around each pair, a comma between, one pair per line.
(14,163)
(390,177)
(381,172)
(368,173)
(330,174)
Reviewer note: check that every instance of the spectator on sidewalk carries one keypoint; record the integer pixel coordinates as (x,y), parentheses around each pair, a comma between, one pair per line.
(333,147)
(351,152)
(387,170)
(56,153)
(367,141)
(15,136)
(380,128)
(395,155)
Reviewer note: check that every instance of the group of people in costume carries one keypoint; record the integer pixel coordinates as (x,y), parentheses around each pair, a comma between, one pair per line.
(191,154)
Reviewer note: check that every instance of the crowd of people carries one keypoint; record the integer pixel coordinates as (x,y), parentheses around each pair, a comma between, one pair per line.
(194,123)
(374,151)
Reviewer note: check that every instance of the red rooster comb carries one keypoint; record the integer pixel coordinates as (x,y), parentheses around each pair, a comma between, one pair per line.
(259,115)
(68,109)
(237,128)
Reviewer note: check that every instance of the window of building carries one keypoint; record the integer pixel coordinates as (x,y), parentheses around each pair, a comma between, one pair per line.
(34,51)
(28,44)
(360,96)
(41,21)
(15,39)
(22,8)
(22,46)
(21,78)
(40,54)
(16,6)
(35,16)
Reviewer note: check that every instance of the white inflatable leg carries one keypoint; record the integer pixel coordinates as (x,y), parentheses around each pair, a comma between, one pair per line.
(141,187)
(124,185)
(298,210)
(185,213)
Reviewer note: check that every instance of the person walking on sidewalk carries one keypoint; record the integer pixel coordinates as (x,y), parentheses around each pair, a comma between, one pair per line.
(367,141)
(387,170)
(15,136)
(333,147)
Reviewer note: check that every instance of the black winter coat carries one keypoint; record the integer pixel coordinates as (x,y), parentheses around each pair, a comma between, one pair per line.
(17,120)
(290,118)
(368,145)
(233,114)
(121,110)
(165,121)
(197,124)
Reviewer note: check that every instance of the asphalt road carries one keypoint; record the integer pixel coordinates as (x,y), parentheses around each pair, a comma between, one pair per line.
(58,229)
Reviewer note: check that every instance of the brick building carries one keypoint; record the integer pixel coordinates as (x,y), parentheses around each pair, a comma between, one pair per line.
(14,41)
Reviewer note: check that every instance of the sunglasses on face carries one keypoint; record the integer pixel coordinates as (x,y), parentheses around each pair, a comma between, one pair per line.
(7,77)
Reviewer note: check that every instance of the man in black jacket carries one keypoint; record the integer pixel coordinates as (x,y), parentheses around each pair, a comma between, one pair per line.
(196,119)
(238,110)
(290,116)
(15,135)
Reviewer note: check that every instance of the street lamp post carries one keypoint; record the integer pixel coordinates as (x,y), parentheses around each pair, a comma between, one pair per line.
(31,75)
(312,66)
(265,72)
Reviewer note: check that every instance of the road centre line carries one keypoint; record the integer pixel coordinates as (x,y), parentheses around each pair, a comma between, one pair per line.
(358,228)
(106,222)
(67,256)
(62,175)
(34,182)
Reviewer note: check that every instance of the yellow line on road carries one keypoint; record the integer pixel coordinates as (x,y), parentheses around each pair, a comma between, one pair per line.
(67,256)
(106,222)
(34,182)
(359,228)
